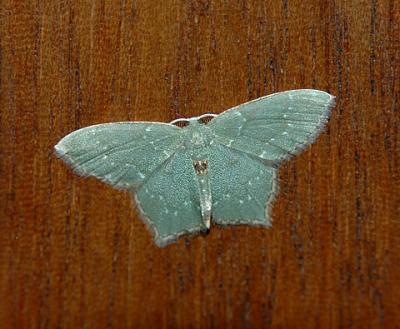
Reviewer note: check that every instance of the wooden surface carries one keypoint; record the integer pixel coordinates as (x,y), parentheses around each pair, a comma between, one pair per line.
(73,253)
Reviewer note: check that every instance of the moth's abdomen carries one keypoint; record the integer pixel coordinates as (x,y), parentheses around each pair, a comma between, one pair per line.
(201,170)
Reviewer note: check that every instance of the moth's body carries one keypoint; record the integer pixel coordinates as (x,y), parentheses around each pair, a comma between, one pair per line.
(224,171)
(199,140)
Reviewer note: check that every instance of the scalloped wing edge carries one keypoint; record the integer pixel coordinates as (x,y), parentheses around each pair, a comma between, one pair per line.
(161,241)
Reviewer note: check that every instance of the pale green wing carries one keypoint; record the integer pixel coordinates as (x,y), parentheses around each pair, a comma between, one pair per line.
(121,154)
(169,200)
(242,187)
(275,126)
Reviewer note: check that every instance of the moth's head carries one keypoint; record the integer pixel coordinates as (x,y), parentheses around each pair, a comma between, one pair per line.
(194,121)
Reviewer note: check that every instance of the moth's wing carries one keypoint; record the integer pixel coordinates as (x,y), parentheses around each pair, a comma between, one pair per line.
(121,154)
(145,158)
(275,126)
(242,187)
(169,200)
(269,128)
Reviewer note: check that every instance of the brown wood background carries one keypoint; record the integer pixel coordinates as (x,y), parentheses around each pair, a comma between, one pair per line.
(73,253)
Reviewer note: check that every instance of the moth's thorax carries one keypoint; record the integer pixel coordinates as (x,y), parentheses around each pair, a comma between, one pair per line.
(198,139)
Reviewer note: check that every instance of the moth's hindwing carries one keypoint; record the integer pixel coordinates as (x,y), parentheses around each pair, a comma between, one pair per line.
(169,199)
(242,187)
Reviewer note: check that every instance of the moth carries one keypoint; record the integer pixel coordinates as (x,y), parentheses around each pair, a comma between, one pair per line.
(224,172)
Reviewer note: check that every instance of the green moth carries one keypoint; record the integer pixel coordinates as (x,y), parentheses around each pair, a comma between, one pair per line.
(185,178)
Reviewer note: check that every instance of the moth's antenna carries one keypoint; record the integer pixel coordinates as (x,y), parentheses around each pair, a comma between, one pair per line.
(206,118)
(179,120)
(205,115)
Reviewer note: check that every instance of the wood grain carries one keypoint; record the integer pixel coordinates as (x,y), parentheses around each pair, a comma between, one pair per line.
(73,253)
